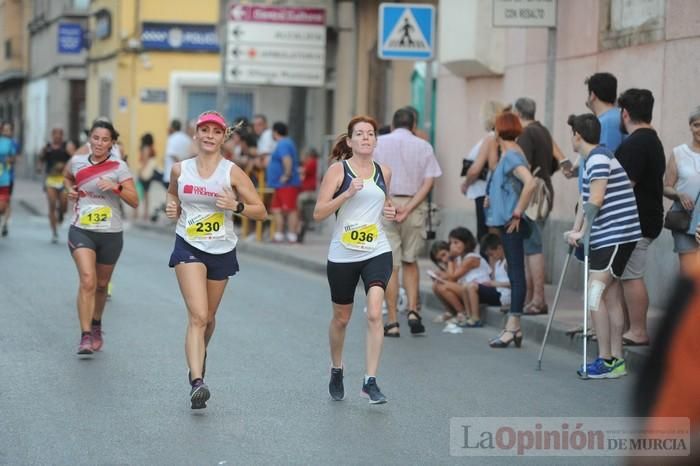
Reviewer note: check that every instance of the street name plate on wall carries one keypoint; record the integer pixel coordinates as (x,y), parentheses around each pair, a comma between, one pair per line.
(524,13)
(276,45)
(154,96)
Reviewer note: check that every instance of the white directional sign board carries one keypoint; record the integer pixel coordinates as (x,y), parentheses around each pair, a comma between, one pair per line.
(276,45)
(524,13)
(406,31)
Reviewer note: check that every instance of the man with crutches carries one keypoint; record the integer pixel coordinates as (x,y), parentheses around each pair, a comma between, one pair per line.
(608,225)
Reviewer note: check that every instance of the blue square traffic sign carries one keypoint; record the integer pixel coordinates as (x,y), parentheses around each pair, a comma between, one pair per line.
(406,31)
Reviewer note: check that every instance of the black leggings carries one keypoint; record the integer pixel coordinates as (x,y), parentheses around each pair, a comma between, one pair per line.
(343,276)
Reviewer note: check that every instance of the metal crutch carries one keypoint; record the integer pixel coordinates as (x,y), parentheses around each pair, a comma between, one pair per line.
(554,307)
(589,213)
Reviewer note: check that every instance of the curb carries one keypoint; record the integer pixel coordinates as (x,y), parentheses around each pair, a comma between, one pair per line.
(533,327)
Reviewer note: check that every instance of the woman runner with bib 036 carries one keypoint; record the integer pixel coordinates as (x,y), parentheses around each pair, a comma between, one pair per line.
(97,182)
(355,190)
(204,193)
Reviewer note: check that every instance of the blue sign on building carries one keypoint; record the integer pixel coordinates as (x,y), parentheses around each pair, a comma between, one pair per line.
(70,38)
(406,31)
(179,37)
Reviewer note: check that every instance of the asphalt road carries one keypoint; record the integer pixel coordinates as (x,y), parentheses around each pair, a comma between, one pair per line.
(267,371)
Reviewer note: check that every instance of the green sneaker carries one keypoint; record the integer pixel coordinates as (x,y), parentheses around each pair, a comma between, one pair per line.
(617,369)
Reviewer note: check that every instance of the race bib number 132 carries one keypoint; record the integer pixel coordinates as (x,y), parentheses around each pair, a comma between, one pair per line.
(96,217)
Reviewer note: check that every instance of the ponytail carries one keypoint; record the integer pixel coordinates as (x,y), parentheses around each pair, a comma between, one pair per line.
(341,150)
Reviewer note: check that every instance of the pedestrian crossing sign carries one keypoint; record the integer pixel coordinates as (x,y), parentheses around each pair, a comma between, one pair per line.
(406,31)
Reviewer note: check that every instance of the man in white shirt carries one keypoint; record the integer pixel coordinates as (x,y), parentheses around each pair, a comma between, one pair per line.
(266,142)
(178,148)
(414,168)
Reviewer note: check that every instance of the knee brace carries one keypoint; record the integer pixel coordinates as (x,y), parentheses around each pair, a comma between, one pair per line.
(595,294)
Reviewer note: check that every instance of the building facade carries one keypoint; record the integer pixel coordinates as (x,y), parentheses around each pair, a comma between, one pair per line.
(54,95)
(13,61)
(148,65)
(652,44)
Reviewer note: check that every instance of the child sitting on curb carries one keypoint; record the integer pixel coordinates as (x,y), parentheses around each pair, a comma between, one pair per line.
(458,265)
(493,292)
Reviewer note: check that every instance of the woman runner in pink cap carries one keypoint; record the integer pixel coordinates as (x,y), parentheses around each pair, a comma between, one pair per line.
(204,193)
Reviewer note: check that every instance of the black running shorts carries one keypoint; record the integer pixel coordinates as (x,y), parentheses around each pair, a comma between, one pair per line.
(107,246)
(344,276)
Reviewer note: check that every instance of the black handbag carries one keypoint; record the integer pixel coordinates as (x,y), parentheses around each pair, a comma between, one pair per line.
(468,163)
(677,220)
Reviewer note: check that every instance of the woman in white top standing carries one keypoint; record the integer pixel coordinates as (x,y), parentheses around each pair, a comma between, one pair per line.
(355,189)
(682,185)
(204,193)
(474,184)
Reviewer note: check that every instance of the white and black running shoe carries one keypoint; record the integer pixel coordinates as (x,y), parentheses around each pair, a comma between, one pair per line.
(199,395)
(371,390)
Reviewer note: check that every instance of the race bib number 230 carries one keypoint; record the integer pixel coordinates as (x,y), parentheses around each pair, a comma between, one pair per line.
(360,237)
(206,226)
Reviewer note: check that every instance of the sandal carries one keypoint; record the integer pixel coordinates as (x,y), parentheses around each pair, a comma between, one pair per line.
(390,326)
(533,309)
(516,337)
(415,323)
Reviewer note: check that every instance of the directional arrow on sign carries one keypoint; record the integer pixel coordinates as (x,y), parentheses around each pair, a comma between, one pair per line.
(237,31)
(234,72)
(235,52)
(238,12)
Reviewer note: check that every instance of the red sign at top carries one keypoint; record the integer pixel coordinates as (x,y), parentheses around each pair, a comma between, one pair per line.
(277,14)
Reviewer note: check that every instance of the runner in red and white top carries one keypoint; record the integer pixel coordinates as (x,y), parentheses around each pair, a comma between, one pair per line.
(96,183)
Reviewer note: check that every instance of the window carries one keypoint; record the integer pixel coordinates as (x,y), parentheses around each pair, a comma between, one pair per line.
(8,49)
(81,4)
(239,104)
(632,22)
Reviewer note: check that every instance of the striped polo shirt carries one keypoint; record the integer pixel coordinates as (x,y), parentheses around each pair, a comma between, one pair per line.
(617,221)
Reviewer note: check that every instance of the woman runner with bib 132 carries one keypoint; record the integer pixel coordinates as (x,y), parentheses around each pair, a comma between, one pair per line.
(355,190)
(97,182)
(204,193)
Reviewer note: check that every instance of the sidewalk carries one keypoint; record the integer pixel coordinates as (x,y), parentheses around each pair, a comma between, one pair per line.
(311,256)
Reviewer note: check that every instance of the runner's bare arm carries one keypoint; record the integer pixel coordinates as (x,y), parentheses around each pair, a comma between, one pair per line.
(69,182)
(172,203)
(325,204)
(254,207)
(128,192)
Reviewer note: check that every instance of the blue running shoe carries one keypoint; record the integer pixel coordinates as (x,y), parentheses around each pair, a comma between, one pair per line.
(598,369)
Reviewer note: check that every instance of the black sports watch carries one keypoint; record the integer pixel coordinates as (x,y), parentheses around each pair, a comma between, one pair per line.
(239,208)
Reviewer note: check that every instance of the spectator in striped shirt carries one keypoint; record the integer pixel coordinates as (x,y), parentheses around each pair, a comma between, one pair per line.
(608,198)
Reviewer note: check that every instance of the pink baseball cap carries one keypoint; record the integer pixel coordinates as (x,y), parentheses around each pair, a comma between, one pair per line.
(211,118)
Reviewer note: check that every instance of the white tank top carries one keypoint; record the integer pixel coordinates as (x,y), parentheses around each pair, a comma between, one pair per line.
(479,274)
(201,223)
(358,233)
(688,167)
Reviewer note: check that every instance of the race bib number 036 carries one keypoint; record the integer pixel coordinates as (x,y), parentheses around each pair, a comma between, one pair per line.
(206,226)
(95,217)
(360,236)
